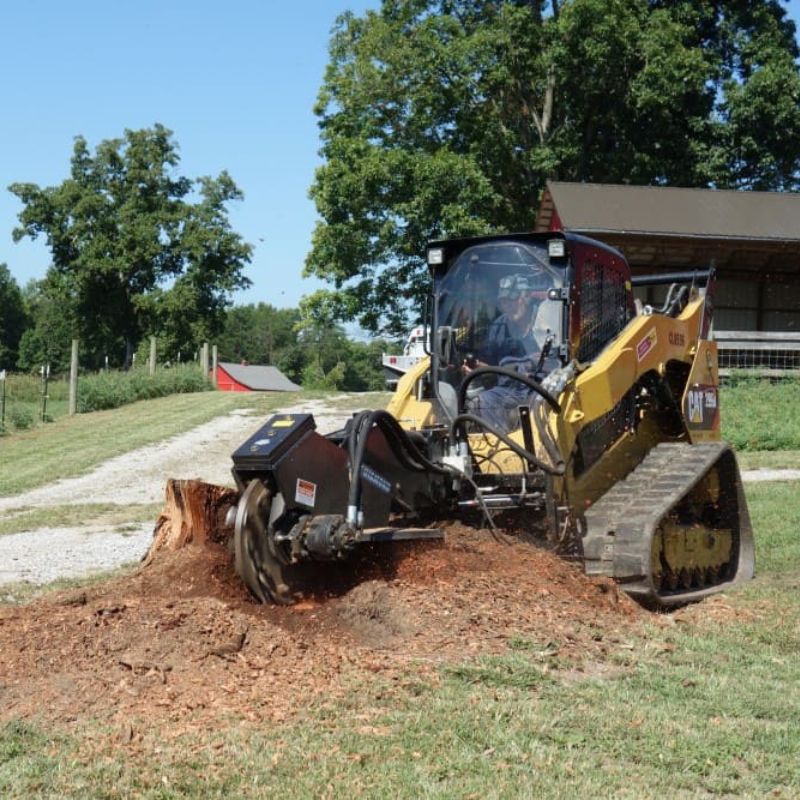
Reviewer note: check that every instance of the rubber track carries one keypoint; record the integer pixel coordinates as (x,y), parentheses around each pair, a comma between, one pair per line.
(620,526)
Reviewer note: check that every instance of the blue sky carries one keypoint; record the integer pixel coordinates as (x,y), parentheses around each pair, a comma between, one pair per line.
(235,81)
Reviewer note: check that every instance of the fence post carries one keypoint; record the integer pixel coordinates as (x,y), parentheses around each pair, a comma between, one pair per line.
(45,378)
(204,359)
(214,366)
(152,355)
(2,401)
(73,378)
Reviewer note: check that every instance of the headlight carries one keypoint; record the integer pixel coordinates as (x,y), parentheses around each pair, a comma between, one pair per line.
(435,256)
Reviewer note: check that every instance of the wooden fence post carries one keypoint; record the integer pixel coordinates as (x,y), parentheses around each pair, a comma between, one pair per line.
(214,362)
(204,359)
(152,355)
(2,401)
(73,379)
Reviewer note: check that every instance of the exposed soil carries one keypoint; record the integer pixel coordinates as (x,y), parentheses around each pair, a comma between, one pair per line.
(180,644)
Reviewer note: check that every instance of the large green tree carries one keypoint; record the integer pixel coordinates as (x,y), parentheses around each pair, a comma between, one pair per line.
(136,248)
(259,334)
(14,318)
(446,117)
(53,325)
(313,353)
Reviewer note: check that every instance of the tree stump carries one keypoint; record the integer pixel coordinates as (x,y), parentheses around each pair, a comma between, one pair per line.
(194,512)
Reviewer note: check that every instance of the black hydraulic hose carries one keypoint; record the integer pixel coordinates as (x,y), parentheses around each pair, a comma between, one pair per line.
(395,435)
(508,373)
(406,451)
(461,419)
(411,459)
(403,448)
(544,434)
(365,421)
(352,438)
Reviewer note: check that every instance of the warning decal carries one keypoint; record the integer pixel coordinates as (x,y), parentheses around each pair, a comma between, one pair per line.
(305,493)
(646,345)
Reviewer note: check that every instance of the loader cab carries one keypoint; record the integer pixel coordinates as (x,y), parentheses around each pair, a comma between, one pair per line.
(529,302)
(498,301)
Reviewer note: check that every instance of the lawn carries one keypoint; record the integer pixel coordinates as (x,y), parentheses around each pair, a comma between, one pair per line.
(700,704)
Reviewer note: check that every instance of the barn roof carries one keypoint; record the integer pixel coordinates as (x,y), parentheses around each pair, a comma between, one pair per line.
(670,226)
(260,378)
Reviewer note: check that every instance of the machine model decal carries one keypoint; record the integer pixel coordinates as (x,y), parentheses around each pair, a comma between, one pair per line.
(646,345)
(677,339)
(305,493)
(701,407)
(378,481)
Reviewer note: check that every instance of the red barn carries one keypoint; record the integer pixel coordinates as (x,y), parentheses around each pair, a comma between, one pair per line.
(252,378)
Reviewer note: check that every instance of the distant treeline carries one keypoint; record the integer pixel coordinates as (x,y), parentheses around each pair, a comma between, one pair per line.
(138,250)
(317,357)
(32,333)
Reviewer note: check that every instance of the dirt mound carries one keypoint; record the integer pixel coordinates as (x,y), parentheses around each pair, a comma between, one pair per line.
(181,641)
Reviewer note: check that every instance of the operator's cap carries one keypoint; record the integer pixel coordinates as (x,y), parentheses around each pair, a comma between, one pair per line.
(534,284)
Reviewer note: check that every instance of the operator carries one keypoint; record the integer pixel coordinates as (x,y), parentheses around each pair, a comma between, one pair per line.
(515,343)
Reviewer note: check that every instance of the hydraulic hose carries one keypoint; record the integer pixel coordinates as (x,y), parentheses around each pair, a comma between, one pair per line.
(508,373)
(407,453)
(461,419)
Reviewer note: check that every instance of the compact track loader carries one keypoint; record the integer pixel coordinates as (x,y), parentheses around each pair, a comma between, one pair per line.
(551,402)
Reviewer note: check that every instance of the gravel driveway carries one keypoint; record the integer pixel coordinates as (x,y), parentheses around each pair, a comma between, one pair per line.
(138,477)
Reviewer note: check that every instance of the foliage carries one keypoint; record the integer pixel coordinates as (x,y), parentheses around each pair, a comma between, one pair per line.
(103,390)
(136,249)
(258,334)
(315,354)
(314,377)
(53,326)
(20,417)
(446,117)
(13,319)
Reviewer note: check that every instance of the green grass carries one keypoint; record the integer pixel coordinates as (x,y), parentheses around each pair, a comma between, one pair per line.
(759,415)
(73,445)
(29,519)
(25,404)
(773,459)
(775,512)
(695,709)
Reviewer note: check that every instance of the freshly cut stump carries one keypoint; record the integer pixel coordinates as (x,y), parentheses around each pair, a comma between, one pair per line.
(194,511)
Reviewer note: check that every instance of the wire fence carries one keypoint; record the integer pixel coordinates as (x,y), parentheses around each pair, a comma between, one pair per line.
(764,354)
(27,400)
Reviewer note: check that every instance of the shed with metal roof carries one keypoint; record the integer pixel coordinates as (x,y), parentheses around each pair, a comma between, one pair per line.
(252,378)
(752,238)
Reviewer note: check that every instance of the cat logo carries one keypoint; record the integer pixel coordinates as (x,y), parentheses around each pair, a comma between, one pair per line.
(695,401)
